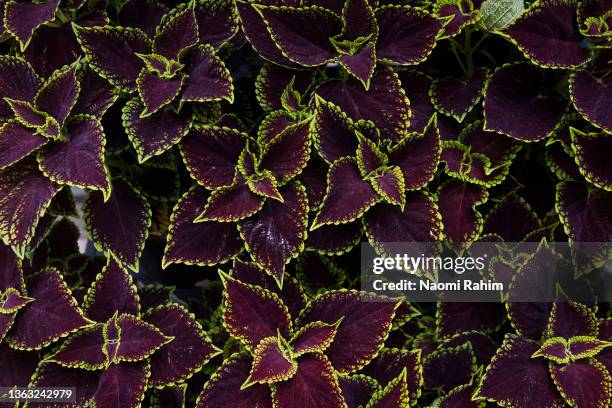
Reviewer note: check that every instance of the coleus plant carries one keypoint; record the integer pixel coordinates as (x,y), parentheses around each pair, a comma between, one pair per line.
(268,139)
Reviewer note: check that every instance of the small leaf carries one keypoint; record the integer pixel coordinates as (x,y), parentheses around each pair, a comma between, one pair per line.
(270,363)
(496,14)
(314,337)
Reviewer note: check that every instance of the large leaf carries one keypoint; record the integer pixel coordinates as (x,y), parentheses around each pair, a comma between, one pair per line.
(449,367)
(419,221)
(302,34)
(271,363)
(119,225)
(516,379)
(591,95)
(224,387)
(348,196)
(112,52)
(217,21)
(519,88)
(21,19)
(547,33)
(112,292)
(79,160)
(229,204)
(384,103)
(591,152)
(17,141)
(59,94)
(287,154)
(177,32)
(277,232)
(82,350)
(156,92)
(211,155)
(407,34)
(357,340)
(456,97)
(511,219)
(252,313)
(314,384)
(122,385)
(457,202)
(204,243)
(333,131)
(54,309)
(188,351)
(96,94)
(417,155)
(569,319)
(156,133)
(391,362)
(25,194)
(584,383)
(21,82)
(257,34)
(208,78)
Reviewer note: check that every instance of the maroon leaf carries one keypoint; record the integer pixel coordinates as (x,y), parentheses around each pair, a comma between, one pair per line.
(156,133)
(229,204)
(21,82)
(17,366)
(54,375)
(59,94)
(460,397)
(63,161)
(499,149)
(121,224)
(313,384)
(357,341)
(584,383)
(270,363)
(17,141)
(122,385)
(361,65)
(419,221)
(357,389)
(512,219)
(517,88)
(271,82)
(348,195)
(137,339)
(314,337)
(457,97)
(369,157)
(277,232)
(568,319)
(112,292)
(591,96)
(211,155)
(204,243)
(52,48)
(217,21)
(11,301)
(390,363)
(25,194)
(143,14)
(21,19)
(224,387)
(395,394)
(448,368)
(287,154)
(291,294)
(29,116)
(407,34)
(189,350)
(334,133)
(548,35)
(156,92)
(11,275)
(256,32)
(82,350)
(177,32)
(418,156)
(458,14)
(459,317)
(517,379)
(112,52)
(208,79)
(390,186)
(457,202)
(54,309)
(384,103)
(252,313)
(591,151)
(302,34)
